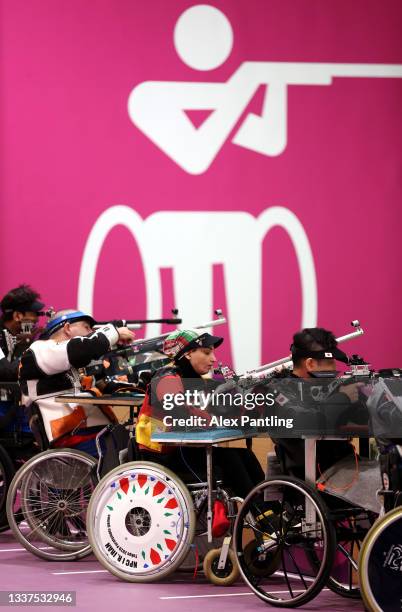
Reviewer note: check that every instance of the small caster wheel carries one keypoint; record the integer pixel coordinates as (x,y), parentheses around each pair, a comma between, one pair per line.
(221,577)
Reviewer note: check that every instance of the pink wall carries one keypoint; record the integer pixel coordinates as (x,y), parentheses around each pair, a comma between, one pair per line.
(69,152)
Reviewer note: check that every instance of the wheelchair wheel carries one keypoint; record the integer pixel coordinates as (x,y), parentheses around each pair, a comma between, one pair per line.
(7,472)
(141,521)
(53,490)
(380,564)
(283,525)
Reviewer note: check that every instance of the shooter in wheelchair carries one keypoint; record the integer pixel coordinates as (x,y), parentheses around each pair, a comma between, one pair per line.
(142,518)
(314,355)
(51,490)
(311,532)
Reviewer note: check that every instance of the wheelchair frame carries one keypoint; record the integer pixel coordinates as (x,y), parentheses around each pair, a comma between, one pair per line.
(335,530)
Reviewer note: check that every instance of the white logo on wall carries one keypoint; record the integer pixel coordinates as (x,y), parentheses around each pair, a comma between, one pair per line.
(203,39)
(233,239)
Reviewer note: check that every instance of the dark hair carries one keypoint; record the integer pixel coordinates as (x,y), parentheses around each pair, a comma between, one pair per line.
(17,300)
(312,339)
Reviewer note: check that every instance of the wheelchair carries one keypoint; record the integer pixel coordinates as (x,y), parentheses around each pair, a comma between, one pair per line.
(144,523)
(51,492)
(291,540)
(47,499)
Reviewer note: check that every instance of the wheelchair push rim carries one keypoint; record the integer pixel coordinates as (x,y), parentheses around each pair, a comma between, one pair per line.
(53,490)
(380,564)
(141,521)
(280,523)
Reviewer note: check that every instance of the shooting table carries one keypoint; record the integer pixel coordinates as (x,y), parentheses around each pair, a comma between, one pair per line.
(131,400)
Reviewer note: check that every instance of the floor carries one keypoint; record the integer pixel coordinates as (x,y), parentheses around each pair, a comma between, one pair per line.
(96,589)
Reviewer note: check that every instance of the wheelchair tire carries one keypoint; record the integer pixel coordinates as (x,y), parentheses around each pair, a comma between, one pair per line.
(7,472)
(141,521)
(287,520)
(220,577)
(380,564)
(53,490)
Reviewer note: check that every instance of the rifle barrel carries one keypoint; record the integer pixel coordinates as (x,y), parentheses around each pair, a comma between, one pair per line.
(137,323)
(288,360)
(155,343)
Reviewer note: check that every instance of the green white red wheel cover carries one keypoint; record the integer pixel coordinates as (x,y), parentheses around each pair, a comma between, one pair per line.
(163,499)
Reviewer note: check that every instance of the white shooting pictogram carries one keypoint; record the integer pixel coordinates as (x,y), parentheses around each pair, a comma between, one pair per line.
(203,39)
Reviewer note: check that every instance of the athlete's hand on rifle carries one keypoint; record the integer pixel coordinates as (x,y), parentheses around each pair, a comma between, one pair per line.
(126,336)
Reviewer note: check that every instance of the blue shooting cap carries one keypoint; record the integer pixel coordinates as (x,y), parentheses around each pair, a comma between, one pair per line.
(69,316)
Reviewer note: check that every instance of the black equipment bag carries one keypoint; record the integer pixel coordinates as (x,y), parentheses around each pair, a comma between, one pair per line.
(112,443)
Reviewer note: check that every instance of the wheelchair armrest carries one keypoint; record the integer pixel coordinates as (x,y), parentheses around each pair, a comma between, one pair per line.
(38,431)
